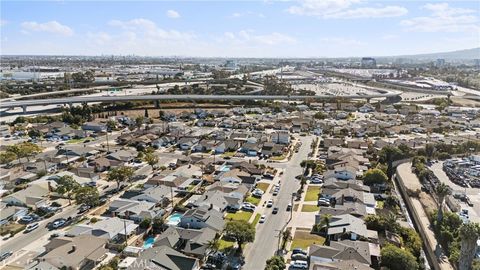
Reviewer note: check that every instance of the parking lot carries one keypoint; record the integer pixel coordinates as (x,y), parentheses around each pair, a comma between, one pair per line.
(472,193)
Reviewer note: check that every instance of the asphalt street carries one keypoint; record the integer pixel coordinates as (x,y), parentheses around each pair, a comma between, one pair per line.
(266,238)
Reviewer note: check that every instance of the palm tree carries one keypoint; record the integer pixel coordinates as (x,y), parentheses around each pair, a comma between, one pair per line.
(442,191)
(325,225)
(469,233)
(213,245)
(286,236)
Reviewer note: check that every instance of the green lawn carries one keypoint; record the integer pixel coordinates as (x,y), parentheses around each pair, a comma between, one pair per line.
(239,215)
(380,204)
(263,186)
(229,154)
(225,245)
(310,208)
(79,140)
(312,193)
(281,157)
(256,219)
(253,200)
(304,239)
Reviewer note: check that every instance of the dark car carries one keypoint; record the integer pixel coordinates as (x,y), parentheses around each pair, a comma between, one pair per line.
(5,255)
(299,251)
(275,210)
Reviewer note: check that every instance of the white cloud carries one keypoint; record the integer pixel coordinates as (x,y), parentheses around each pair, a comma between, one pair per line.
(248,37)
(148,29)
(248,13)
(3,22)
(443,18)
(344,9)
(51,27)
(173,14)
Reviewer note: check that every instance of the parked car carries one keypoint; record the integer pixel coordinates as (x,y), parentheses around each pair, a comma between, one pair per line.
(275,192)
(257,192)
(262,219)
(58,223)
(5,255)
(323,202)
(299,256)
(31,227)
(300,264)
(275,210)
(248,207)
(289,207)
(83,208)
(299,251)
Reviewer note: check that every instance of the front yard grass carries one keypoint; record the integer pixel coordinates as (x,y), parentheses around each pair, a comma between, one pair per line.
(11,228)
(304,239)
(263,186)
(310,208)
(256,219)
(225,245)
(239,215)
(253,200)
(229,154)
(312,193)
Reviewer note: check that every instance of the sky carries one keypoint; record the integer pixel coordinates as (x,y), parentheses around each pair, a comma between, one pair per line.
(263,28)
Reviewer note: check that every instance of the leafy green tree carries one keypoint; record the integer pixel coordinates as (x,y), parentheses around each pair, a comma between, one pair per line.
(213,245)
(157,224)
(275,263)
(145,223)
(469,233)
(87,195)
(442,191)
(7,157)
(395,258)
(241,231)
(374,176)
(120,174)
(67,186)
(151,159)
(286,236)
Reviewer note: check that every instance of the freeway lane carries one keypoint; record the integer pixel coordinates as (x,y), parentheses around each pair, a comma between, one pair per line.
(266,238)
(80,99)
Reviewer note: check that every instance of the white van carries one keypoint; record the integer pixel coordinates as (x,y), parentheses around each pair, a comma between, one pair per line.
(298,264)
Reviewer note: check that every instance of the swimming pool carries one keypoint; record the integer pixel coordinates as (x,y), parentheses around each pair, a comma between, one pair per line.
(148,243)
(224,168)
(174,218)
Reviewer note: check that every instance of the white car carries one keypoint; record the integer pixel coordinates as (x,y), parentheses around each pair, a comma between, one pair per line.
(299,264)
(247,207)
(262,219)
(277,185)
(31,227)
(270,203)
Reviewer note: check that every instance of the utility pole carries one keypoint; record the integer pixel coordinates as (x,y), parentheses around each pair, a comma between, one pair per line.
(125,228)
(108,146)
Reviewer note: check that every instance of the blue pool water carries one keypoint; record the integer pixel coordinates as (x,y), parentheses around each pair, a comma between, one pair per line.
(174,218)
(148,243)
(224,168)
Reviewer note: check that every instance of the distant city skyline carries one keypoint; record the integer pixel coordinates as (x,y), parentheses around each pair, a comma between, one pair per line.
(304,28)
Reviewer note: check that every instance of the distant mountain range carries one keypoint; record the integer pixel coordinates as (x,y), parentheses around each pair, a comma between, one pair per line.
(467,54)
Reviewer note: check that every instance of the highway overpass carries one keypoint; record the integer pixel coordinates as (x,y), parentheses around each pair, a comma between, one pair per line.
(111,99)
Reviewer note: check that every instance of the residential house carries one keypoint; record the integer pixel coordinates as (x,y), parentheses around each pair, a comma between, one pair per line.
(219,200)
(94,126)
(134,210)
(113,229)
(281,137)
(34,196)
(193,242)
(80,252)
(203,217)
(164,257)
